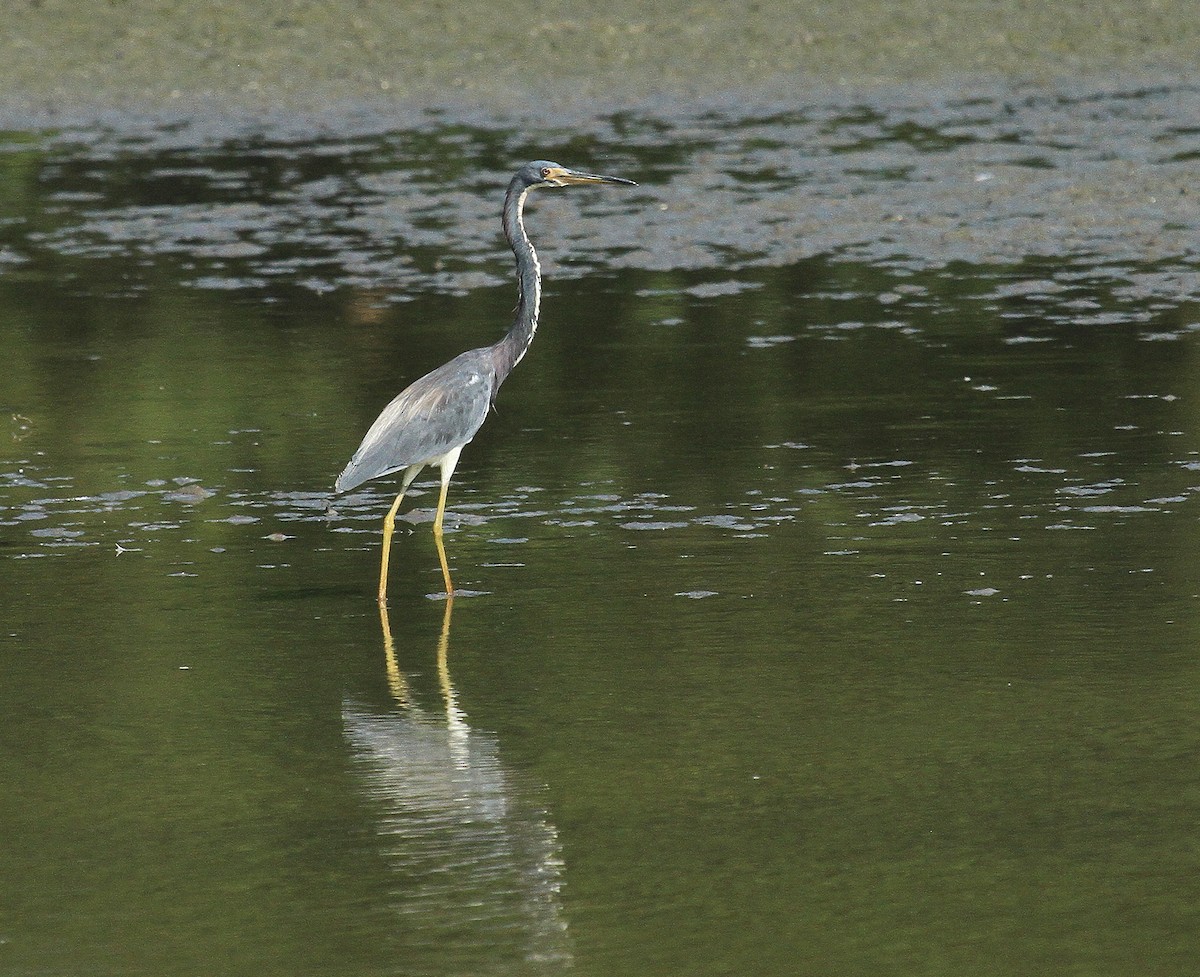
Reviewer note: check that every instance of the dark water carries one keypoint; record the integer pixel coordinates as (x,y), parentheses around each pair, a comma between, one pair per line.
(830,589)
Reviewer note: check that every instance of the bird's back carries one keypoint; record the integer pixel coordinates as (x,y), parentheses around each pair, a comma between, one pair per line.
(441,411)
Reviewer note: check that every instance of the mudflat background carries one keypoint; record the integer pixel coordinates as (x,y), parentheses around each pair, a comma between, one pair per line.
(65,56)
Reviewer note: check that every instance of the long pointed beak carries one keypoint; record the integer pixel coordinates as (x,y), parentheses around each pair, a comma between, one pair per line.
(576,177)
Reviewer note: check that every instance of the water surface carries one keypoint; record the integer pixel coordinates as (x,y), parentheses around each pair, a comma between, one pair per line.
(828,590)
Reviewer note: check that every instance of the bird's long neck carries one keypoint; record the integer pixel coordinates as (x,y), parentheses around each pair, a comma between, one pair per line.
(515,344)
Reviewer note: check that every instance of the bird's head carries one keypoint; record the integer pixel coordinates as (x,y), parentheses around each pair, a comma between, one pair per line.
(543,173)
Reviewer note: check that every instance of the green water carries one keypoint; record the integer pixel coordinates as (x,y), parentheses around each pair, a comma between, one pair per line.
(833,617)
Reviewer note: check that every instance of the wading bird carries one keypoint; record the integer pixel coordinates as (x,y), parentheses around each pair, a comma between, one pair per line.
(434,418)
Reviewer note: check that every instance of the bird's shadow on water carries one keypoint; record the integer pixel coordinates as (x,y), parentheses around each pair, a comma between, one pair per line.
(474,856)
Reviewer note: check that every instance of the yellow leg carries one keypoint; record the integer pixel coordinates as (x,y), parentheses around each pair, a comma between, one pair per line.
(441,509)
(389,526)
(437,537)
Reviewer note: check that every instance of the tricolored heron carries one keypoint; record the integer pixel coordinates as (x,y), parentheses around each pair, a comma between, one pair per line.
(434,418)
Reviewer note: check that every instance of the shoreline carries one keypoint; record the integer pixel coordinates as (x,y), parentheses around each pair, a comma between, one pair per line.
(80,59)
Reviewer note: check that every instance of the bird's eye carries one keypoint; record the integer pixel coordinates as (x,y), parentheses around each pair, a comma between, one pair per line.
(545,172)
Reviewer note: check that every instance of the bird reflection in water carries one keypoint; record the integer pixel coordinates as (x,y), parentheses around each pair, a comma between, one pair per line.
(476,862)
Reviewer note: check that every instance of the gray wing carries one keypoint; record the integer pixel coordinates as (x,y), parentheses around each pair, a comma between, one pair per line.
(442,410)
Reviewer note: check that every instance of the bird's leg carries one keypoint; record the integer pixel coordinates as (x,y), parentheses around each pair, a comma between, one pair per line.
(389,526)
(449,460)
(437,538)
(441,508)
